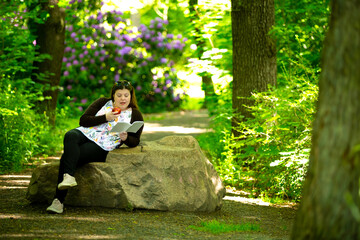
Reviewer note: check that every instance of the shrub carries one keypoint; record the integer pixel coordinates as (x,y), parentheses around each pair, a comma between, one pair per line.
(300,31)
(271,155)
(17,91)
(23,133)
(275,144)
(104,48)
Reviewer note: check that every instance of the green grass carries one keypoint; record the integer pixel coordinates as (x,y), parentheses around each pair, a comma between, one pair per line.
(216,227)
(192,104)
(153,117)
(50,140)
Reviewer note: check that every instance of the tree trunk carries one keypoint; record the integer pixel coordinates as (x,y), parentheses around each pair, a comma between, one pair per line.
(254,52)
(50,38)
(330,205)
(208,87)
(207,84)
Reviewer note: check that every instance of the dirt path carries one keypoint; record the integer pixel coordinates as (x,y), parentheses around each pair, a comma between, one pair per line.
(175,123)
(21,220)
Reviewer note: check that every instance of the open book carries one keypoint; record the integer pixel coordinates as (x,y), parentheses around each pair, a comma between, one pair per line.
(127,127)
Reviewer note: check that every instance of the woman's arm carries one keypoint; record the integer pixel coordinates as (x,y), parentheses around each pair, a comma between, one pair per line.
(133,139)
(88,119)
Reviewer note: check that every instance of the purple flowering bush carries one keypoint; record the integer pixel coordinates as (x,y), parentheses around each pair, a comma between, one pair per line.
(103,48)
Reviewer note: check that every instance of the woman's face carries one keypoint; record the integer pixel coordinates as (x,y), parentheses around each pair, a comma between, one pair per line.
(122,99)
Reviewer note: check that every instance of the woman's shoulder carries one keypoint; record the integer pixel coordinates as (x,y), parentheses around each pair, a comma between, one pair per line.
(136,112)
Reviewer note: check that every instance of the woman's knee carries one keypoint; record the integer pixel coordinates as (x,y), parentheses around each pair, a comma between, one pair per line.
(72,135)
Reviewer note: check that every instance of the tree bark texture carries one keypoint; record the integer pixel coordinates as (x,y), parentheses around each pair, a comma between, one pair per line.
(254,51)
(51,40)
(331,190)
(207,83)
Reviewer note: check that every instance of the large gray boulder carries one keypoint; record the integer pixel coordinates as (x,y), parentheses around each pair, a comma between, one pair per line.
(168,174)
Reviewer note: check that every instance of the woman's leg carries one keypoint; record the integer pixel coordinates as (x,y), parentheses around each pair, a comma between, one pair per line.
(73,140)
(78,150)
(91,152)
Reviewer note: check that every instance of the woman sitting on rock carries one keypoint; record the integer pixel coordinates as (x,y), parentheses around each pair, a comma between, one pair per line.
(92,141)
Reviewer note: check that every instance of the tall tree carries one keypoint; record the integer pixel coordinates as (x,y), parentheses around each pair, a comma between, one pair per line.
(254,52)
(51,41)
(207,83)
(330,205)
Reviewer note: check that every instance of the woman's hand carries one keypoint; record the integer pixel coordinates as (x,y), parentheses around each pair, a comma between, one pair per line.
(123,136)
(111,116)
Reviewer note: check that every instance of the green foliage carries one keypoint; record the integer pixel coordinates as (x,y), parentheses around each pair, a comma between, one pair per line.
(192,104)
(216,227)
(300,31)
(173,11)
(354,208)
(210,34)
(214,142)
(275,144)
(270,157)
(129,207)
(17,91)
(49,140)
(23,133)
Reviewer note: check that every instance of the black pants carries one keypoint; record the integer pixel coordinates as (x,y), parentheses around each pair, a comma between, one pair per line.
(78,150)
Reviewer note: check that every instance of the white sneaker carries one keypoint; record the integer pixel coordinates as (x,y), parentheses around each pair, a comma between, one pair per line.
(68,181)
(56,207)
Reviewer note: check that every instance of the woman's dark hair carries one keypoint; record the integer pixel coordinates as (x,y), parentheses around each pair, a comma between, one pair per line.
(123,84)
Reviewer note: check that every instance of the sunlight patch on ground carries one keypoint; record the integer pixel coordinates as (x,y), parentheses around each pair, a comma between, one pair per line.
(247,200)
(15,176)
(155,127)
(240,196)
(12,187)
(257,201)
(48,158)
(51,216)
(14,181)
(50,235)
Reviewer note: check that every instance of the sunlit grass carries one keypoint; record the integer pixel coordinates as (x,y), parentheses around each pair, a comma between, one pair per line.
(278,200)
(216,227)
(192,104)
(153,117)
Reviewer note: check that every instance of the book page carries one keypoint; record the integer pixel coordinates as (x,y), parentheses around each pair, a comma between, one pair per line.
(135,126)
(120,127)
